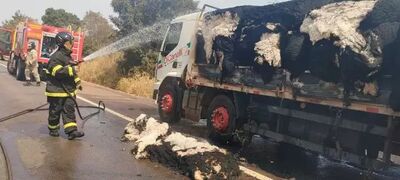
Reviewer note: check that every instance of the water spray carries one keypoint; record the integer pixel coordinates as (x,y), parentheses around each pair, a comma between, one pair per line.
(151,33)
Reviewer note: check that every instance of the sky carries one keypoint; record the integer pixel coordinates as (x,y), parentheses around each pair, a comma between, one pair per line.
(36,8)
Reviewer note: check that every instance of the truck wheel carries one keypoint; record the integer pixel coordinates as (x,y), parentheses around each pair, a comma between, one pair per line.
(168,102)
(20,74)
(11,65)
(221,119)
(42,73)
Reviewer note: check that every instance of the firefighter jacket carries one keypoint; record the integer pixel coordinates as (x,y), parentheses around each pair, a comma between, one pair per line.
(62,76)
(31,58)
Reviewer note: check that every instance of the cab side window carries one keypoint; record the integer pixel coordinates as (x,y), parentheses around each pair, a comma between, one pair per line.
(5,43)
(48,46)
(173,36)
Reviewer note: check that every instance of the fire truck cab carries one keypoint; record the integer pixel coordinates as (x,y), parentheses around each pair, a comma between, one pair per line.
(44,38)
(5,43)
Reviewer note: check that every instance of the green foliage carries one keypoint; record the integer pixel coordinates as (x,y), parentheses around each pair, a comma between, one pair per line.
(148,64)
(61,18)
(135,14)
(132,58)
(15,19)
(99,32)
(138,61)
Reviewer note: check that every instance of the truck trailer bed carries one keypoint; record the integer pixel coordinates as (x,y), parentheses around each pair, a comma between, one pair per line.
(312,90)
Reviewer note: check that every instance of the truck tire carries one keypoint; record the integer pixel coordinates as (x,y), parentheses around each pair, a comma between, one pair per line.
(20,74)
(221,119)
(11,65)
(169,98)
(42,72)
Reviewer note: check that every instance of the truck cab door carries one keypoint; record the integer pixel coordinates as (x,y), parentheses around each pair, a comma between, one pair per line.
(171,51)
(5,42)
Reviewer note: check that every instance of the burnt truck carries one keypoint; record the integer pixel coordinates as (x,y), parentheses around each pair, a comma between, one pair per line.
(211,68)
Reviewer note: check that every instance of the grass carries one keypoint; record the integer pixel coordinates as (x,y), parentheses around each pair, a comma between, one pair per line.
(104,71)
(140,84)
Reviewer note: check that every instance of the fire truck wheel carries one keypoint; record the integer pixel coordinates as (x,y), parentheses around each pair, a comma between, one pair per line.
(20,74)
(42,73)
(169,98)
(11,65)
(221,119)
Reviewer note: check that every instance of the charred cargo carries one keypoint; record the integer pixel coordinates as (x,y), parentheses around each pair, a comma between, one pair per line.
(322,75)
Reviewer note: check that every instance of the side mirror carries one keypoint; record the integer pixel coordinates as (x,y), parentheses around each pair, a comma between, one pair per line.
(164,53)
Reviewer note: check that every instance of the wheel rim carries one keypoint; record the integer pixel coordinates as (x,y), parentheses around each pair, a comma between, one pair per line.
(220,119)
(167,102)
(18,69)
(14,65)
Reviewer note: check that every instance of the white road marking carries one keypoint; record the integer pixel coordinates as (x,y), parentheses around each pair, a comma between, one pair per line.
(242,168)
(254,174)
(107,109)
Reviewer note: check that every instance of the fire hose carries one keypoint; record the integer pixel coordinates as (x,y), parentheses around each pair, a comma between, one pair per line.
(6,161)
(101,107)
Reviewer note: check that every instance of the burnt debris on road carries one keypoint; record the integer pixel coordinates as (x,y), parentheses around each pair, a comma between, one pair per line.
(192,156)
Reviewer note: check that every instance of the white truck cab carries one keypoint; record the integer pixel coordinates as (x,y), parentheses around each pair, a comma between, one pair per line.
(175,49)
(176,53)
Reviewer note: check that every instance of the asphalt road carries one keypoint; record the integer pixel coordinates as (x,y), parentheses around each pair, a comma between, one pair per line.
(99,155)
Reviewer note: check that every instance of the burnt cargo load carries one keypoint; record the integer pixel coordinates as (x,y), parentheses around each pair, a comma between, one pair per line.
(329,49)
(320,75)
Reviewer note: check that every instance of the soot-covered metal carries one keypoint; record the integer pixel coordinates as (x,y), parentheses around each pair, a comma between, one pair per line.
(306,37)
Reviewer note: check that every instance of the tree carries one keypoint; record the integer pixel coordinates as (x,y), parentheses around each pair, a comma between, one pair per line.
(15,19)
(61,18)
(98,32)
(135,14)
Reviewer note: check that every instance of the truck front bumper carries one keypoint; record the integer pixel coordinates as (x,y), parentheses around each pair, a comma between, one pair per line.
(155,94)
(155,91)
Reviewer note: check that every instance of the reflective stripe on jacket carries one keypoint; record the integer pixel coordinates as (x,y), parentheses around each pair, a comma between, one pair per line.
(62,77)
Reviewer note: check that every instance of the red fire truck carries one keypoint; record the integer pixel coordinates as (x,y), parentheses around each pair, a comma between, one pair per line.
(44,37)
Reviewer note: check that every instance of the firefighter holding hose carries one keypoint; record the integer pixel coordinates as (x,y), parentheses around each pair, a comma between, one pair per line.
(61,88)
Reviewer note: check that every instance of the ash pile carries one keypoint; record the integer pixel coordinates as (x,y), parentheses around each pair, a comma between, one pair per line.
(192,156)
(351,44)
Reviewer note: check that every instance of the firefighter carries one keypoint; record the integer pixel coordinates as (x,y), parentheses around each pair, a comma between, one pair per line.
(61,88)
(31,68)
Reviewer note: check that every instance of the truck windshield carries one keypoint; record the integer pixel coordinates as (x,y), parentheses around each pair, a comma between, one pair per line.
(5,40)
(48,46)
(173,36)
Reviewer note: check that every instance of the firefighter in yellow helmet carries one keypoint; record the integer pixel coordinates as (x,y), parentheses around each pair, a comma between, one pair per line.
(61,88)
(31,65)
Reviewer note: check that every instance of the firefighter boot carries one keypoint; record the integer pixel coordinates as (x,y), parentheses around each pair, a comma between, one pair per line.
(54,133)
(27,83)
(75,134)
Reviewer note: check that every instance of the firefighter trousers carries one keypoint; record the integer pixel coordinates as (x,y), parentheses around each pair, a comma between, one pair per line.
(62,107)
(32,69)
